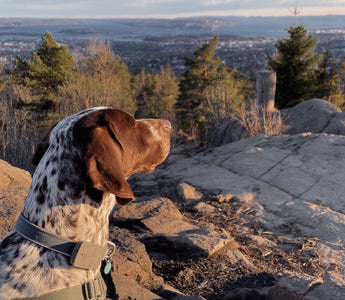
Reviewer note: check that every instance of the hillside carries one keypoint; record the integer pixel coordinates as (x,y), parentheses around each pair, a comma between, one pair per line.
(279,197)
(152,43)
(262,217)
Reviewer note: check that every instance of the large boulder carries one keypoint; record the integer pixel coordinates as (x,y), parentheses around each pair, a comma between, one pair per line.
(313,115)
(336,124)
(230,132)
(14,185)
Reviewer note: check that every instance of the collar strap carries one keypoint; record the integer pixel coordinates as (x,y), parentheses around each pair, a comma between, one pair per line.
(91,290)
(82,255)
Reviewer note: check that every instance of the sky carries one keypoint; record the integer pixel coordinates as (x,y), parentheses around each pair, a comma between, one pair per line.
(164,8)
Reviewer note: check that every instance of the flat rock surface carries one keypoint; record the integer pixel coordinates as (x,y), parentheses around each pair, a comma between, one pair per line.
(291,187)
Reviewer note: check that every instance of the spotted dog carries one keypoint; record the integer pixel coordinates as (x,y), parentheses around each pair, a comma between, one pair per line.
(82,168)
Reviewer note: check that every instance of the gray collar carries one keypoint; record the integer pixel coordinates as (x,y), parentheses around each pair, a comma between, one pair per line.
(82,255)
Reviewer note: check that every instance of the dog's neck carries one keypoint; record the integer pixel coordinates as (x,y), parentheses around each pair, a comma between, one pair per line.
(67,211)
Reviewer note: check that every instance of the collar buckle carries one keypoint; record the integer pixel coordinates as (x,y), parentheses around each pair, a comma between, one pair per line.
(87,255)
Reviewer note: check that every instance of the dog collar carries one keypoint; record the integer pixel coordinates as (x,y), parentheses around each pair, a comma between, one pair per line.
(82,255)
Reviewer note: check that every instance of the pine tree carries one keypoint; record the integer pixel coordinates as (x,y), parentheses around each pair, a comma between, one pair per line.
(144,93)
(204,70)
(168,93)
(295,64)
(156,94)
(341,70)
(50,67)
(328,80)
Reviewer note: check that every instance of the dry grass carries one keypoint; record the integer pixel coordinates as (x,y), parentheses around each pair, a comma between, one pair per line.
(261,121)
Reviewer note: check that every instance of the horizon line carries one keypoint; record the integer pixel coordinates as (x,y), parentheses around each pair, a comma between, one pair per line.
(168,16)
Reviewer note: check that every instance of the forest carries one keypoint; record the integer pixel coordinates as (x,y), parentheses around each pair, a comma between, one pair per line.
(57,82)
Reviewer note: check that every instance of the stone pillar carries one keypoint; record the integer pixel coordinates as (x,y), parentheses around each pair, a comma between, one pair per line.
(265,89)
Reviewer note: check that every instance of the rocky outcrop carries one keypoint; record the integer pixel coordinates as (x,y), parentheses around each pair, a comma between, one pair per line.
(14,185)
(295,190)
(314,115)
(261,218)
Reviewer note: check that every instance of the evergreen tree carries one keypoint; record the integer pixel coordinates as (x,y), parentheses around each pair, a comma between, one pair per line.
(341,70)
(295,64)
(168,93)
(157,94)
(204,71)
(50,67)
(328,80)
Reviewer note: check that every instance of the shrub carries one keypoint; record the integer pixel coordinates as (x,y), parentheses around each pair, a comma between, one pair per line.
(261,121)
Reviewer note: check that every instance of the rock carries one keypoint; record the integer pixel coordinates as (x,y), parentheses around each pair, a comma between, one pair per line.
(188,193)
(313,115)
(168,292)
(279,293)
(294,186)
(237,258)
(129,289)
(165,223)
(161,207)
(14,185)
(230,132)
(262,242)
(204,208)
(244,294)
(185,237)
(300,284)
(130,258)
(336,125)
(159,226)
(224,198)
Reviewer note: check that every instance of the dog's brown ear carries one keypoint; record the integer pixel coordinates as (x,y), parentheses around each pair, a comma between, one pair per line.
(104,166)
(104,153)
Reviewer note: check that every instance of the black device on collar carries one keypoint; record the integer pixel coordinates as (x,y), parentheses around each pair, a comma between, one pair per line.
(82,255)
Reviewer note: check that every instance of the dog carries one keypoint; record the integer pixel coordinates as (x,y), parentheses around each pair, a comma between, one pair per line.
(82,168)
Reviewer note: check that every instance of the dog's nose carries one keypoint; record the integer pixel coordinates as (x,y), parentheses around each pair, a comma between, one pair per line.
(167,124)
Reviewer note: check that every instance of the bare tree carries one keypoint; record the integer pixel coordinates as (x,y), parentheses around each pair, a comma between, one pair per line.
(18,135)
(295,12)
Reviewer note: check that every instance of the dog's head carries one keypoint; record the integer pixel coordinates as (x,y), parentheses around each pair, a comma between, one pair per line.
(112,146)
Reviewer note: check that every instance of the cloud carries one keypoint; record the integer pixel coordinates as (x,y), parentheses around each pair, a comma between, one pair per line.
(150,2)
(245,4)
(217,2)
(163,8)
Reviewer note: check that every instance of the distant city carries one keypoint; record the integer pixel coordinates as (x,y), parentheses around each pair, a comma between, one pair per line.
(244,43)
